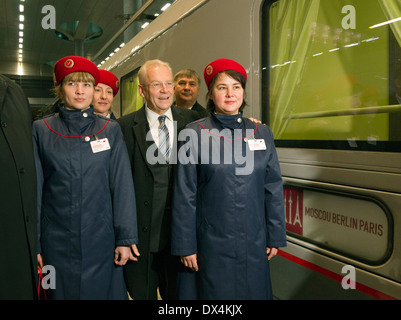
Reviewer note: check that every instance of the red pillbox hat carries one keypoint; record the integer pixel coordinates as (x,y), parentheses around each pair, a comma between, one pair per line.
(71,64)
(108,78)
(220,65)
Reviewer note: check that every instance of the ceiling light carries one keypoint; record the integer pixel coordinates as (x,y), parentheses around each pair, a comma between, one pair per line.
(21,18)
(21,40)
(145,25)
(21,26)
(21,34)
(21,8)
(165,6)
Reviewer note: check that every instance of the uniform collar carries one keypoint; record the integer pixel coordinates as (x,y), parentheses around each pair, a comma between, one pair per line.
(229,121)
(76,114)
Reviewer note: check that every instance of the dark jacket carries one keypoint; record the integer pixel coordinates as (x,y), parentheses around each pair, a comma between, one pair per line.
(135,127)
(153,183)
(88,205)
(18,263)
(226,215)
(203,113)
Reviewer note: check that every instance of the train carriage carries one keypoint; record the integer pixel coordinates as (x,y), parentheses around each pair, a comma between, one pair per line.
(325,76)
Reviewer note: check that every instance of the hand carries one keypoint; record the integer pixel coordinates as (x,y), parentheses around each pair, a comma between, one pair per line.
(40,261)
(255,120)
(134,253)
(271,252)
(123,253)
(190,262)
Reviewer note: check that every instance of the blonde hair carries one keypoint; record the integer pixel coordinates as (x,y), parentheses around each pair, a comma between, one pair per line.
(75,77)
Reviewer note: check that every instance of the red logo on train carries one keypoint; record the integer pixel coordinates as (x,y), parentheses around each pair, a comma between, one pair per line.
(294,210)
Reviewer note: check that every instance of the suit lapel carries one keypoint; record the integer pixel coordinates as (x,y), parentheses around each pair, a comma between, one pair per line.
(141,128)
(179,124)
(177,116)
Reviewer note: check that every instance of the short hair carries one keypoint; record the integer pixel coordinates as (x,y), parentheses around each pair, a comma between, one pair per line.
(188,73)
(142,73)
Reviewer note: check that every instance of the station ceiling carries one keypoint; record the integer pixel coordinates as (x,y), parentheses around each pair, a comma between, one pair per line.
(97,21)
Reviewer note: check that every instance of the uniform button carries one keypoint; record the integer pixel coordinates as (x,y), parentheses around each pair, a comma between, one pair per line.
(239,120)
(85,115)
(146,203)
(87,139)
(22,170)
(145,229)
(4,125)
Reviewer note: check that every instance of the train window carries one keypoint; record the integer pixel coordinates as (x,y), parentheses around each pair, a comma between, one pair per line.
(130,97)
(332,73)
(319,217)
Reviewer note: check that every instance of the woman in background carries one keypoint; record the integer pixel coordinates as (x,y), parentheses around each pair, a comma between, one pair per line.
(105,91)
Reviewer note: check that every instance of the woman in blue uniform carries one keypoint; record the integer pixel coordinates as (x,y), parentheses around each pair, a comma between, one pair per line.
(87,218)
(228,206)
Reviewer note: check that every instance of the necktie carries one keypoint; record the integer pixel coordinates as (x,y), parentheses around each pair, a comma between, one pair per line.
(164,141)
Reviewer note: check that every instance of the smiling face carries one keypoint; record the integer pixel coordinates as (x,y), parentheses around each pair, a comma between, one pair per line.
(157,88)
(102,99)
(227,94)
(186,91)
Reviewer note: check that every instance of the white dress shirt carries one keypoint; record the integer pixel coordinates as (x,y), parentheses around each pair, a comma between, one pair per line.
(153,120)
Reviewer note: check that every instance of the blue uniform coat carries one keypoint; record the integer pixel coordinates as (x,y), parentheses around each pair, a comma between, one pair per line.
(86,203)
(225,215)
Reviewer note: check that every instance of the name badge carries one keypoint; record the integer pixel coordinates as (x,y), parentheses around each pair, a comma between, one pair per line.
(256,144)
(100,145)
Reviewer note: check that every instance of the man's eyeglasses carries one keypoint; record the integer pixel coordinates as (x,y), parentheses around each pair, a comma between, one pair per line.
(159,85)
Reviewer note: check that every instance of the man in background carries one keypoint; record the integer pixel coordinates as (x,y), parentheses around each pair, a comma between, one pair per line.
(187,89)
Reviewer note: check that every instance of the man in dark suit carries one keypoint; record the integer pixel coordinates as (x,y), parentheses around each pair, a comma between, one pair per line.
(187,89)
(152,172)
(18,254)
